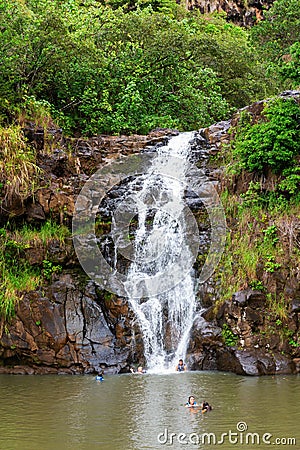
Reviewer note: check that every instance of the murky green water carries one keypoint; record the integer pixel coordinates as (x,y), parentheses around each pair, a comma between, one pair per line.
(142,411)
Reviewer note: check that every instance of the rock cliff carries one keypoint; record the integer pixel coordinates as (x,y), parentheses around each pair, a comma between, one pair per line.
(68,325)
(244,13)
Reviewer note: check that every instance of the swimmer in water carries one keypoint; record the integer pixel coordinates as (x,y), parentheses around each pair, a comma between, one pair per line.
(192,405)
(99,377)
(181,367)
(140,370)
(191,402)
(205,406)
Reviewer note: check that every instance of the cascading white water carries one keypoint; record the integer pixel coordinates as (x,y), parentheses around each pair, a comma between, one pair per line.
(162,300)
(158,282)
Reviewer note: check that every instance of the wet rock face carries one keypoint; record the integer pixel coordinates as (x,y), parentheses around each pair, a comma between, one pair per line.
(258,348)
(68,329)
(70,326)
(66,164)
(254,362)
(262,347)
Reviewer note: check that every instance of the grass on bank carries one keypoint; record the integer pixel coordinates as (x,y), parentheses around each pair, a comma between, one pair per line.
(263,214)
(18,169)
(49,230)
(259,243)
(14,282)
(17,276)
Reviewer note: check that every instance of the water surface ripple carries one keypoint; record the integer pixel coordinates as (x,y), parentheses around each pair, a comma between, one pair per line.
(135,412)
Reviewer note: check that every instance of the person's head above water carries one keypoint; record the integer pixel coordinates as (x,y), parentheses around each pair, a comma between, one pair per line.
(191,401)
(139,370)
(206,406)
(181,366)
(99,376)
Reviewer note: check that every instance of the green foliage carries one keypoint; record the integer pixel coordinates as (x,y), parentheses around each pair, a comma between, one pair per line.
(47,231)
(291,181)
(274,142)
(261,242)
(18,170)
(252,198)
(49,269)
(145,65)
(167,6)
(257,285)
(277,308)
(290,67)
(271,265)
(271,234)
(229,337)
(294,343)
(280,29)
(277,39)
(16,275)
(228,51)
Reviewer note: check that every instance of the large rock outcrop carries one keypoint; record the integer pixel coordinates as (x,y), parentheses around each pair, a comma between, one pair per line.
(68,325)
(244,13)
(70,328)
(258,346)
(262,344)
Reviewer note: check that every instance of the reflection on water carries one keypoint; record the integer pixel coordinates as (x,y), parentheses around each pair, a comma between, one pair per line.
(131,411)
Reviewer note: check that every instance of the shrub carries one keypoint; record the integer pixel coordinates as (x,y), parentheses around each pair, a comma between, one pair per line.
(16,275)
(229,337)
(272,143)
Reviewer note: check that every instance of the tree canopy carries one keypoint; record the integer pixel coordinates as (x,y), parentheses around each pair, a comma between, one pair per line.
(123,69)
(277,39)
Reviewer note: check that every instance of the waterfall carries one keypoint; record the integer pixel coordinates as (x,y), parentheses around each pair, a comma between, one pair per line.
(160,286)
(157,235)
(151,252)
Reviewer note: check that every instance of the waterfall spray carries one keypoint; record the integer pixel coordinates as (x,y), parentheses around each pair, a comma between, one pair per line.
(165,319)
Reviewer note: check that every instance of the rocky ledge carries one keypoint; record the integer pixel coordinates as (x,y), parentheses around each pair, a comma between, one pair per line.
(70,326)
(248,349)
